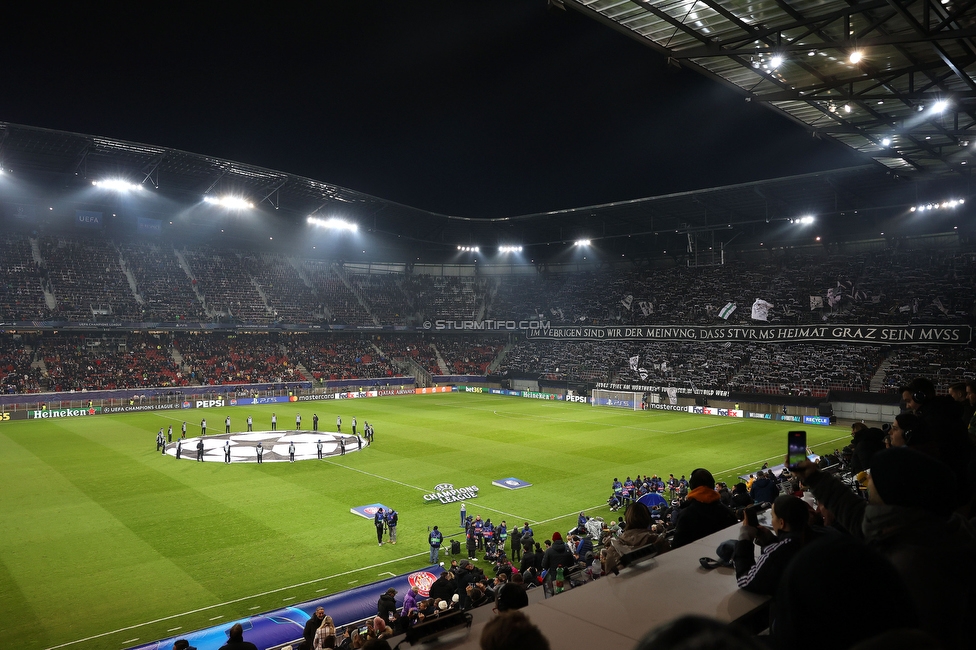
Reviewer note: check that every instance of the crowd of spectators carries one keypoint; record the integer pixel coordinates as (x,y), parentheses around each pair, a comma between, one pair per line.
(21,293)
(87,278)
(337,358)
(215,358)
(164,285)
(227,290)
(82,362)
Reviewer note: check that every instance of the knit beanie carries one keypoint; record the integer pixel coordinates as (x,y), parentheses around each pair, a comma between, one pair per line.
(556,537)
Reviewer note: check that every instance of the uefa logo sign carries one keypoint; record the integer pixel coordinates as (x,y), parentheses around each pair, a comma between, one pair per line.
(443,487)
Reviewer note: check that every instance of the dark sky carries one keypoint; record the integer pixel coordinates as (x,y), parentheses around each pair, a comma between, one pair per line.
(457,106)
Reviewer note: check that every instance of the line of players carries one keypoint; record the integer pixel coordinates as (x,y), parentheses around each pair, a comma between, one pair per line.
(161,440)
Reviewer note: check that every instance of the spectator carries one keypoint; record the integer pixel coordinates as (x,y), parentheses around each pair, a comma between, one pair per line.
(702,513)
(235,640)
(807,615)
(740,496)
(510,596)
(512,630)
(790,532)
(637,534)
(326,631)
(386,606)
(311,626)
(764,488)
(865,444)
(558,555)
(932,549)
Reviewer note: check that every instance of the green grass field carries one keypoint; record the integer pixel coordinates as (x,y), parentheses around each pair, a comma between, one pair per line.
(101,536)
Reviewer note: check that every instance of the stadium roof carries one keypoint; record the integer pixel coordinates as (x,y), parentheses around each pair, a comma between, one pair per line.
(848,203)
(890,78)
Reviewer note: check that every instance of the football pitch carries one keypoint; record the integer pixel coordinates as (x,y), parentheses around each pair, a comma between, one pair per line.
(106,543)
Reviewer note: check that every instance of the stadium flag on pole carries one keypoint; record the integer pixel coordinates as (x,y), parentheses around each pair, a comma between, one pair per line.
(760,309)
(726,311)
(643,374)
(634,360)
(816,302)
(646,308)
(627,301)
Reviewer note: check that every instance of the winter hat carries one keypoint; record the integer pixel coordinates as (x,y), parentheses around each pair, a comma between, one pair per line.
(442,605)
(896,474)
(556,537)
(455,598)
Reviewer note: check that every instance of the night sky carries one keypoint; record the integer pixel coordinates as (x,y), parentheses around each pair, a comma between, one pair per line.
(478,109)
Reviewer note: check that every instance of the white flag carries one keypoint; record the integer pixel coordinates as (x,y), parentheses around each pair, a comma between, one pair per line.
(833,296)
(634,360)
(816,302)
(643,374)
(646,308)
(938,305)
(760,309)
(726,311)
(627,301)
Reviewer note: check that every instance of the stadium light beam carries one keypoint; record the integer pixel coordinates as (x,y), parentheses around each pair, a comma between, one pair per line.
(469,249)
(333,224)
(230,202)
(581,242)
(118,185)
(509,249)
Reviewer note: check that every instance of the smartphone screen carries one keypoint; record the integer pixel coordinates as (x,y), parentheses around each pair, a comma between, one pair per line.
(796,448)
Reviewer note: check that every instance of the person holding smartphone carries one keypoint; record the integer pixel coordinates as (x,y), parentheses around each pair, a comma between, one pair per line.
(790,532)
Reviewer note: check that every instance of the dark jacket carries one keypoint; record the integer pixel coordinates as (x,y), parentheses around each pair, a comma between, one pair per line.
(386,606)
(701,516)
(531,559)
(443,588)
(557,555)
(935,555)
(764,490)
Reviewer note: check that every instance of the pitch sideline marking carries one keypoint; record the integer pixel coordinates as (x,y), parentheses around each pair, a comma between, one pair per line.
(231,602)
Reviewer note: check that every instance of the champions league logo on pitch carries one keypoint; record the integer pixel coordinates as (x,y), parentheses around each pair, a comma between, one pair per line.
(447,493)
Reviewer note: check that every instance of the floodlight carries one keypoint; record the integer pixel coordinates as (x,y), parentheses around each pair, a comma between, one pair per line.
(117,185)
(333,224)
(776,61)
(469,249)
(856,56)
(231,202)
(940,106)
(582,242)
(509,249)
(885,142)
(944,205)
